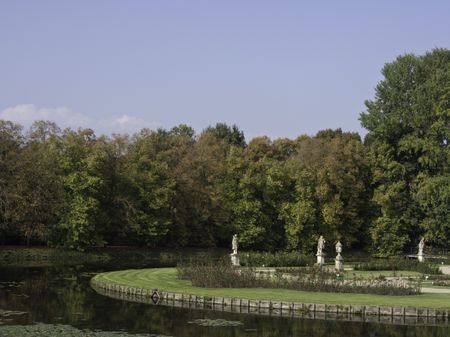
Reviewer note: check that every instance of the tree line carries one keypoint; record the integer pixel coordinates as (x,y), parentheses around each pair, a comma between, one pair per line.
(176,188)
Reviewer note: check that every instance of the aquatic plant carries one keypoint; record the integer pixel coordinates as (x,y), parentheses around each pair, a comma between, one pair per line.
(60,330)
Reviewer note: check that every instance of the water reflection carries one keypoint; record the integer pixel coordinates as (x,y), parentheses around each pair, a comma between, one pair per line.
(62,295)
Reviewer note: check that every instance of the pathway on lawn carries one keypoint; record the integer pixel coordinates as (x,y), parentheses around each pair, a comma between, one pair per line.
(436,290)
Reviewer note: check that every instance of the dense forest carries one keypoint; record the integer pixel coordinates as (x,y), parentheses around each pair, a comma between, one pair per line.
(176,188)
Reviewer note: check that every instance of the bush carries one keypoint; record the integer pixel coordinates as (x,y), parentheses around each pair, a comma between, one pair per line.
(277,259)
(399,264)
(441,283)
(438,277)
(217,274)
(439,280)
(220,274)
(320,279)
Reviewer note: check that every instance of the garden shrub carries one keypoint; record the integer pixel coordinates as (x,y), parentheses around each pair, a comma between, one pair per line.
(398,264)
(277,259)
(220,274)
(217,274)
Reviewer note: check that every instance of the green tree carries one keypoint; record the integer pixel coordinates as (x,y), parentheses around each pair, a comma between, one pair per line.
(433,197)
(259,195)
(300,214)
(229,134)
(80,218)
(38,187)
(332,193)
(408,125)
(151,187)
(199,178)
(181,141)
(11,142)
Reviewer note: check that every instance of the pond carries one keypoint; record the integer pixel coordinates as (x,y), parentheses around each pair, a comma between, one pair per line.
(58,301)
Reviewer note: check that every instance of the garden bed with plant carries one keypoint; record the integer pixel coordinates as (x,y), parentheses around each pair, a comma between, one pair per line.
(398,265)
(220,274)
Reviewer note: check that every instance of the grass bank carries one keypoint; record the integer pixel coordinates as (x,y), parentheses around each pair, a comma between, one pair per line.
(120,256)
(44,256)
(165,279)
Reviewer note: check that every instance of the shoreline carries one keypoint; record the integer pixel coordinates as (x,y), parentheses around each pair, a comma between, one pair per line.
(280,312)
(169,289)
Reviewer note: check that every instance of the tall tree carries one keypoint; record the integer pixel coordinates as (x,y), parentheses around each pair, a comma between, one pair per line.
(151,187)
(408,125)
(301,212)
(80,162)
(229,134)
(433,196)
(332,191)
(115,191)
(38,185)
(259,195)
(11,142)
(199,176)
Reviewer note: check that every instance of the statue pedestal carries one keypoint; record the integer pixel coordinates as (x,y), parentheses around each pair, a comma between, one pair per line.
(421,257)
(320,259)
(235,260)
(339,264)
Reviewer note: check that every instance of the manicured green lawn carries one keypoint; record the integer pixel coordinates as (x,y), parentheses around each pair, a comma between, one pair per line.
(368,274)
(165,279)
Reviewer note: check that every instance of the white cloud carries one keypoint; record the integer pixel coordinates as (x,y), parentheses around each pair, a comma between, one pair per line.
(125,123)
(26,114)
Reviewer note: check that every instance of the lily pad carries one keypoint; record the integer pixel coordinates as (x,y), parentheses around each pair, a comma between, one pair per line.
(59,330)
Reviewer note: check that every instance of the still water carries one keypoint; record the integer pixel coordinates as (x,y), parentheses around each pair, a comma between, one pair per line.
(58,301)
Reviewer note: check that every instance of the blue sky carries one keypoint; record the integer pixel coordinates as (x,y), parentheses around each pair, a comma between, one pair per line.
(276,68)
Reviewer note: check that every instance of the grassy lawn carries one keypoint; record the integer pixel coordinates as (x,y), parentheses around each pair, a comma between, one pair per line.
(165,279)
(368,274)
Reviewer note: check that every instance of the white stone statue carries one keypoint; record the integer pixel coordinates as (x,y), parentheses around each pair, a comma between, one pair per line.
(234,255)
(420,254)
(234,244)
(421,246)
(320,245)
(320,255)
(339,247)
(339,261)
